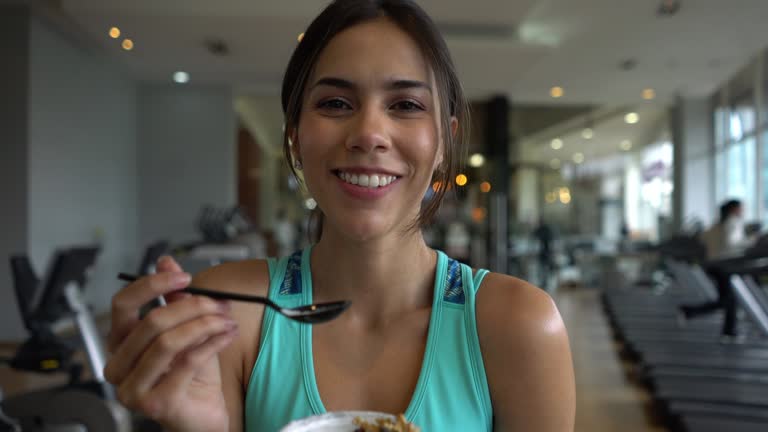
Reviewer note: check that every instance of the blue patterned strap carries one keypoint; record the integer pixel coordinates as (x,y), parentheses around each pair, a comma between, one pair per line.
(292,281)
(454,286)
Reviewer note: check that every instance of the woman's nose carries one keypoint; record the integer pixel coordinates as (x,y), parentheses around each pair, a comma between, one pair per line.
(369,131)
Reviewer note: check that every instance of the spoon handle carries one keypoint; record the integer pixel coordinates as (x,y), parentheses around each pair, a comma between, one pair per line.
(219,295)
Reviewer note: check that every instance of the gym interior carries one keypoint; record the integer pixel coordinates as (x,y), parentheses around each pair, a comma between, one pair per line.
(618,160)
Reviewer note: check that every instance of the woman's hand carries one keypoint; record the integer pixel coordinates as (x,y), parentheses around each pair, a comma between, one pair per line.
(166,365)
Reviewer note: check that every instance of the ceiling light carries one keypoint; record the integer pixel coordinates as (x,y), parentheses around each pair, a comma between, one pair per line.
(649,94)
(668,7)
(478,214)
(301,36)
(556,92)
(485,187)
(587,133)
(476,160)
(127,44)
(181,77)
(554,163)
(556,144)
(578,158)
(114,32)
(461,179)
(632,118)
(626,145)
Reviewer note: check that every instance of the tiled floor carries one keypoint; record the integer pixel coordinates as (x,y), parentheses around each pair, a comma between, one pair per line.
(606,399)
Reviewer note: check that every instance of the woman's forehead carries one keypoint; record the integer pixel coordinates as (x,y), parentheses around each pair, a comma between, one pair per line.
(372,52)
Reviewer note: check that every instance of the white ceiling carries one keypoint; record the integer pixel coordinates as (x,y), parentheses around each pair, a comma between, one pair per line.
(609,130)
(516,47)
(577,44)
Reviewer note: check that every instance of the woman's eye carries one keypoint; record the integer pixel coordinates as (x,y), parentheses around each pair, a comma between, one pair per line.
(407,105)
(334,104)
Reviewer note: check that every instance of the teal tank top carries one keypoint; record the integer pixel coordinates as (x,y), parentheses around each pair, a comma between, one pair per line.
(451,392)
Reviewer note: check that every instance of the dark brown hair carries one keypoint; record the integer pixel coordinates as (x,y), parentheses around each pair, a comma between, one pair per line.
(343,14)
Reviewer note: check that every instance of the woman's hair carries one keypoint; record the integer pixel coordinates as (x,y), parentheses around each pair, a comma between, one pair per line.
(406,14)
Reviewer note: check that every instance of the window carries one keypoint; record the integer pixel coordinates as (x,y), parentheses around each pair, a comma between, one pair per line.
(742,175)
(764,177)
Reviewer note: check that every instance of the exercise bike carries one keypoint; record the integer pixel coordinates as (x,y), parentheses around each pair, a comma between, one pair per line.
(80,405)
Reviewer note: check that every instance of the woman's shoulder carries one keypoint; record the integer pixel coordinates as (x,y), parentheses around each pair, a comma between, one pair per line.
(516,309)
(526,353)
(245,277)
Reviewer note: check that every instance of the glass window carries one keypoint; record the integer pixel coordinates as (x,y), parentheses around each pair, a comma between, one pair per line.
(742,120)
(720,180)
(720,120)
(742,175)
(764,177)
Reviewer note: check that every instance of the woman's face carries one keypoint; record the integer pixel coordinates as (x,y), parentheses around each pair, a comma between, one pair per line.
(368,135)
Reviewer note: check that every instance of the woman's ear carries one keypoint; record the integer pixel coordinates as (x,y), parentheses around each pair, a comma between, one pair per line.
(293,142)
(454,126)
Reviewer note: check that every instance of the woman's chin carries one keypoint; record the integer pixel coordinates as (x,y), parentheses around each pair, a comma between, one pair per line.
(366,229)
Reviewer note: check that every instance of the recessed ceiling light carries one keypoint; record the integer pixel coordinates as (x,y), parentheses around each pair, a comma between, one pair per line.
(626,145)
(649,94)
(476,160)
(578,158)
(127,44)
(181,77)
(114,32)
(556,144)
(587,133)
(632,118)
(556,92)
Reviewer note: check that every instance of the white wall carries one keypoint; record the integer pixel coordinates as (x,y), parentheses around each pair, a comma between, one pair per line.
(697,195)
(528,199)
(186,150)
(82,159)
(14,44)
(693,152)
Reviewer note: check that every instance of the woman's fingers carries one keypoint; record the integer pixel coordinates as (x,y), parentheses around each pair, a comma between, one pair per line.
(159,324)
(178,347)
(127,302)
(168,264)
(160,380)
(174,386)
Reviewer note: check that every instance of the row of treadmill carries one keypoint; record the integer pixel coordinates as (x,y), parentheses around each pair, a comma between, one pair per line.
(700,381)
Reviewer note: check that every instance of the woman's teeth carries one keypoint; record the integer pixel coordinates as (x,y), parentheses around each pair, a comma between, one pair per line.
(365,180)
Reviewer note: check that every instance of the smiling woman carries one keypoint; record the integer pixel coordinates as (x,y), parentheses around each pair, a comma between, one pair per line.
(374,116)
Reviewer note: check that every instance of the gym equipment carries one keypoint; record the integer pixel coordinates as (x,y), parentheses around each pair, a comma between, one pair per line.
(699,381)
(80,405)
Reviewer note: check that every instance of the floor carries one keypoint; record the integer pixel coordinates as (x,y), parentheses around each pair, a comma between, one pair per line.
(606,399)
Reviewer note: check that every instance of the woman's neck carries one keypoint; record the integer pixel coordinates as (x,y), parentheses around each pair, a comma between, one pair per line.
(383,278)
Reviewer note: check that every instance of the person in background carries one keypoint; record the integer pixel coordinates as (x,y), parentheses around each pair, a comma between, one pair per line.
(724,239)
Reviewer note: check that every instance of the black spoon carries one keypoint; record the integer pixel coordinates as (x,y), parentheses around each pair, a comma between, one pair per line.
(310,314)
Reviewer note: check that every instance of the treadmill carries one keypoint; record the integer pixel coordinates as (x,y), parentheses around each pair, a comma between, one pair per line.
(697,381)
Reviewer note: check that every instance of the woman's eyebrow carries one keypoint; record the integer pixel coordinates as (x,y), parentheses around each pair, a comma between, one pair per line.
(393,84)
